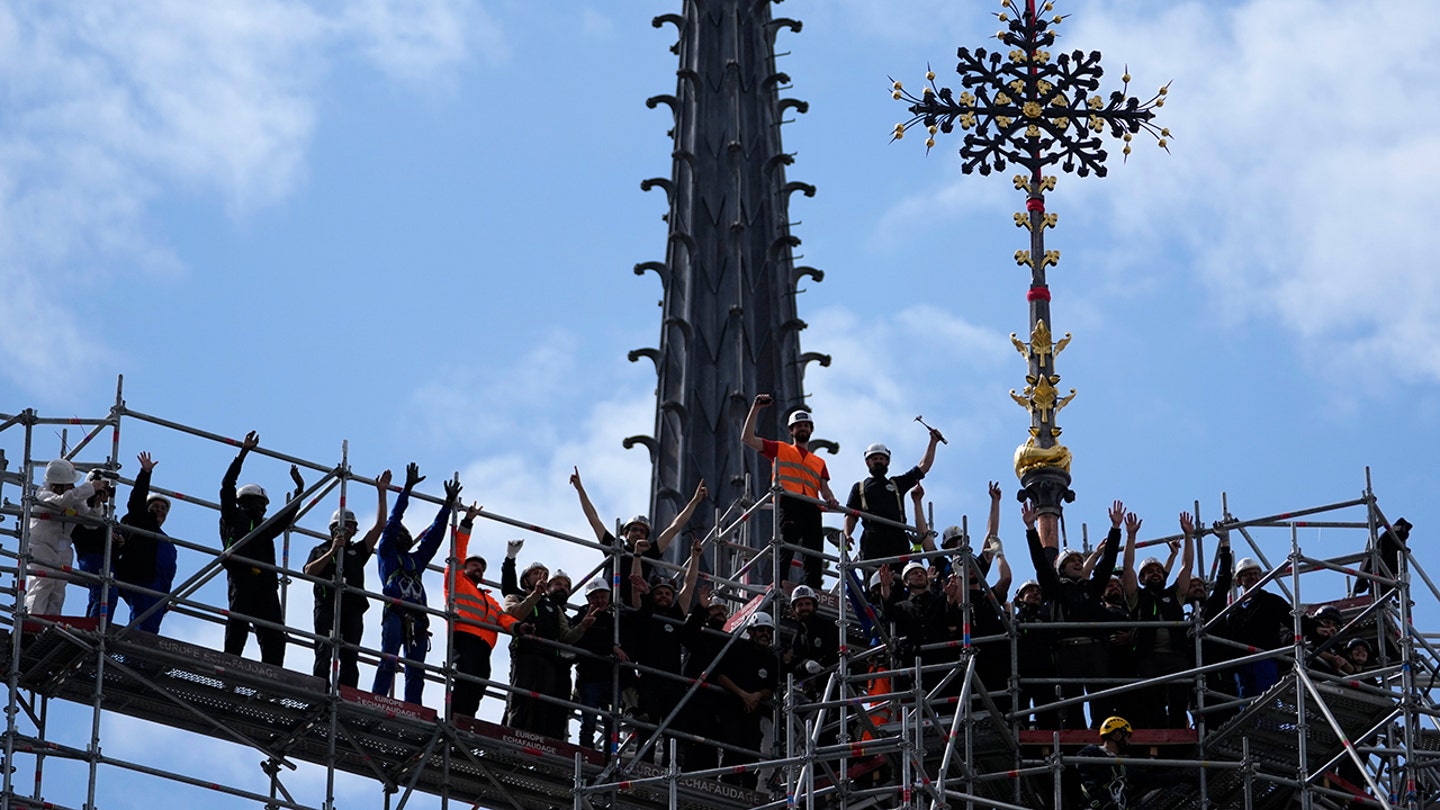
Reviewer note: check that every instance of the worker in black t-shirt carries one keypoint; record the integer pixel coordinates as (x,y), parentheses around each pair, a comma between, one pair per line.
(883,496)
(750,674)
(321,565)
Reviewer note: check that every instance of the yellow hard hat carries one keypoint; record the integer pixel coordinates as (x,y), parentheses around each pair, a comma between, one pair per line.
(1114,724)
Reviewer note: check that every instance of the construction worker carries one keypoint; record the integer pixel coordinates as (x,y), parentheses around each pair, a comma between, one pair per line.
(1072,598)
(595,684)
(883,496)
(635,529)
(1105,786)
(321,565)
(89,542)
(1319,628)
(148,558)
(654,633)
(815,645)
(477,618)
(750,674)
(50,546)
(539,669)
(254,581)
(404,621)
(1036,662)
(1262,621)
(799,471)
(1384,561)
(704,637)
(1220,682)
(1160,651)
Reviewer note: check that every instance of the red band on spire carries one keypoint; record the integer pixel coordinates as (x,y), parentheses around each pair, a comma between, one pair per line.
(1035,204)
(1038,294)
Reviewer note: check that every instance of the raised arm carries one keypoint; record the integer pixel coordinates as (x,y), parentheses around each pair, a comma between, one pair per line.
(637,572)
(662,541)
(1187,558)
(588,508)
(382,487)
(286,514)
(929,458)
(232,473)
(1002,582)
(922,528)
(1044,569)
(1127,579)
(747,433)
(1100,578)
(692,575)
(140,493)
(396,521)
(435,534)
(1093,560)
(993,547)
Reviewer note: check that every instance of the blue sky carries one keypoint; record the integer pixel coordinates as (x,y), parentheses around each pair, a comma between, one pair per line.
(411,225)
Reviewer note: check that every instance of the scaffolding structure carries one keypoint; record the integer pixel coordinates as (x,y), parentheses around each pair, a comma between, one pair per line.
(872,731)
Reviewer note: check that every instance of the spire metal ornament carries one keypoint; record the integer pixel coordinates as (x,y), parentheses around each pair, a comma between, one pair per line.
(1027,109)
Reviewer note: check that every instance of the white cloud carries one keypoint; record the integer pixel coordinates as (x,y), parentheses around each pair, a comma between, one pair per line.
(111,107)
(420,40)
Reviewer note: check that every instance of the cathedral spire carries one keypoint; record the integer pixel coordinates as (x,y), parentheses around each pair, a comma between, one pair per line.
(730,327)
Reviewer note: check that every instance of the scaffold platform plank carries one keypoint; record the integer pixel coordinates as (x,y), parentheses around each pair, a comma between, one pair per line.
(286,715)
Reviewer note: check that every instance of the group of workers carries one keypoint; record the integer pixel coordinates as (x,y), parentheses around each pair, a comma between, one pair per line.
(1082,623)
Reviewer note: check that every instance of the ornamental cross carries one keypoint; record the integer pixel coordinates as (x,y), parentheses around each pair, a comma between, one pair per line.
(1027,109)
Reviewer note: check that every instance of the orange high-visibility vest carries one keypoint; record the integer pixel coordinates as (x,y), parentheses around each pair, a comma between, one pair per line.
(798,472)
(471,603)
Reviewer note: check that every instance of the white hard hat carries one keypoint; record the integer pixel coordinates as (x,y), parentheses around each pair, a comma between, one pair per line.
(531,567)
(1246,563)
(59,471)
(950,533)
(597,584)
(913,565)
(760,620)
(560,574)
(254,490)
(1029,583)
(155,496)
(640,519)
(802,592)
(877,449)
(342,516)
(1149,561)
(798,417)
(1064,556)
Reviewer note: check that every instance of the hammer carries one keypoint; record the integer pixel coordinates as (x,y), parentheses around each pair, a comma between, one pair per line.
(921,420)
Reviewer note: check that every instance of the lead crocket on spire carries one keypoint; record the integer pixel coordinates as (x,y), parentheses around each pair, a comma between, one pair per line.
(730,327)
